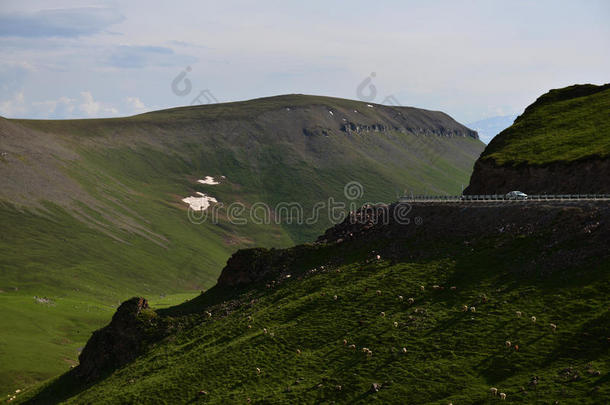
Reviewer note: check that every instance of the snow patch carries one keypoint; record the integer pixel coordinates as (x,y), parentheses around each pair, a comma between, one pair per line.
(200,203)
(209,180)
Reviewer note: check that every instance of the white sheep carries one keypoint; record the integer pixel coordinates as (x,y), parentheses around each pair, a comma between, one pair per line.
(396,324)
(464,308)
(473,309)
(378,292)
(335,297)
(502,396)
(453,288)
(533,318)
(404,349)
(378,257)
(411,300)
(265,331)
(352,347)
(507,343)
(421,287)
(383,314)
(493,391)
(344,342)
(518,314)
(258,370)
(298,351)
(553,327)
(436,287)
(208,314)
(400,297)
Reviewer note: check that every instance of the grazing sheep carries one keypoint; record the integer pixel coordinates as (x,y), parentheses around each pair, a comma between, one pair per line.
(378,292)
(473,309)
(421,287)
(335,297)
(353,347)
(516,348)
(378,257)
(298,351)
(400,297)
(502,396)
(436,287)
(249,318)
(249,326)
(265,331)
(344,342)
(368,351)
(553,327)
(258,370)
(464,308)
(493,391)
(533,318)
(338,388)
(411,300)
(404,349)
(507,343)
(453,288)
(208,314)
(383,314)
(518,314)
(396,324)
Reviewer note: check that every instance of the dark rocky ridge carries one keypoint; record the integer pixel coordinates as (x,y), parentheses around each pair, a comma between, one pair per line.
(430,226)
(588,176)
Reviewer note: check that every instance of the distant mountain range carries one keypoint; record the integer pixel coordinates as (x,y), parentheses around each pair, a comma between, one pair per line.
(490,127)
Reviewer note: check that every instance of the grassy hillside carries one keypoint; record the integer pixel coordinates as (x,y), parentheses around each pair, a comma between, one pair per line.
(563,125)
(547,262)
(93,208)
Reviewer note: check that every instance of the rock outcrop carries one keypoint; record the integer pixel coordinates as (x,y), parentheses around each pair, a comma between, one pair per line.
(116,344)
(559,145)
(587,176)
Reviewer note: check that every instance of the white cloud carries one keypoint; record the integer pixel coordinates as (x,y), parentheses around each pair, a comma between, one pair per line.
(13,107)
(94,108)
(135,105)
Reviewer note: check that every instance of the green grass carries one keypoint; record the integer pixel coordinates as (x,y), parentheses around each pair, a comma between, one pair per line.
(452,356)
(563,125)
(124,230)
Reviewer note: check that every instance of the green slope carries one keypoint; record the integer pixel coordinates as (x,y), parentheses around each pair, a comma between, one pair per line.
(540,264)
(91,210)
(563,125)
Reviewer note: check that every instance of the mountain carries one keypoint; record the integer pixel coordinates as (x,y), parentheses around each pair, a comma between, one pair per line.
(512,298)
(94,210)
(490,127)
(559,145)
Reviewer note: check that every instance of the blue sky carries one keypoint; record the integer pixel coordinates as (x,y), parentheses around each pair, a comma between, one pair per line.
(471,59)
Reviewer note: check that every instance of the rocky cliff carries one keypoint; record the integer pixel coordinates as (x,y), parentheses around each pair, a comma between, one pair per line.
(559,145)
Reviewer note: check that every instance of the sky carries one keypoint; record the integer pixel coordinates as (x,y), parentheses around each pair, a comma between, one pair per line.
(471,59)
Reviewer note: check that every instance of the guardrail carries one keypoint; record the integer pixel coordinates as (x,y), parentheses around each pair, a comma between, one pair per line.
(502,197)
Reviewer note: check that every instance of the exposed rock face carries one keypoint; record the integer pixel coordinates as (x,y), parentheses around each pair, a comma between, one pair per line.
(590,176)
(251,265)
(116,344)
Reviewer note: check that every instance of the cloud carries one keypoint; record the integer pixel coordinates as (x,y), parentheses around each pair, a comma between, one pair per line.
(68,22)
(138,56)
(93,108)
(14,106)
(135,105)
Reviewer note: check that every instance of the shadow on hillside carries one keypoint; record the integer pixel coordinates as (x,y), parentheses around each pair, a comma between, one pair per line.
(61,389)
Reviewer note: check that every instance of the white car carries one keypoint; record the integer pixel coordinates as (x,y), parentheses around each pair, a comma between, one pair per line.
(516,195)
